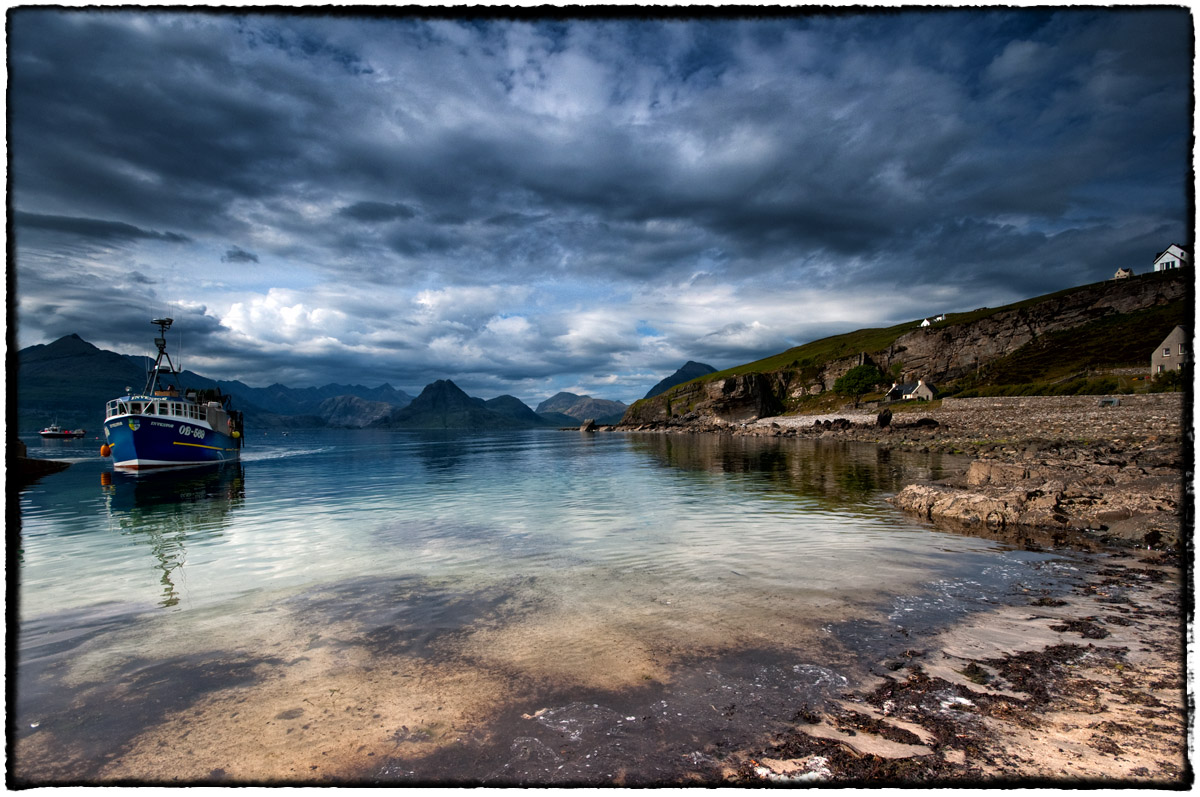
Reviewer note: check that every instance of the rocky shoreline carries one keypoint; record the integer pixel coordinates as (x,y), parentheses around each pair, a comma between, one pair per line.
(1090,689)
(1086,690)
(1109,468)
(1082,689)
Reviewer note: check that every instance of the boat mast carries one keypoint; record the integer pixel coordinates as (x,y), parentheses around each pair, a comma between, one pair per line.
(163,325)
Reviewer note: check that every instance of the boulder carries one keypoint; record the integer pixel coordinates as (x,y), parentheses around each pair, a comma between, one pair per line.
(1126,503)
(588,426)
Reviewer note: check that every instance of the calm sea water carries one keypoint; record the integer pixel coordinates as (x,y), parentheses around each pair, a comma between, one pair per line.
(209,624)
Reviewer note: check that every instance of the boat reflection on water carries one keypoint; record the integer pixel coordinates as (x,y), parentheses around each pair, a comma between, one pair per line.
(169,510)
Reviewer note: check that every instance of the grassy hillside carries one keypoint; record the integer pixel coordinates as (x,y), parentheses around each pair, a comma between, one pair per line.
(1074,361)
(1120,340)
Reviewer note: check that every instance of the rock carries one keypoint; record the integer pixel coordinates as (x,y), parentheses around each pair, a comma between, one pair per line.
(588,426)
(884,419)
(1113,502)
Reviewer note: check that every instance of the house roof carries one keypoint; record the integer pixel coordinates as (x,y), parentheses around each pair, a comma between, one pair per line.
(1183,249)
(1182,333)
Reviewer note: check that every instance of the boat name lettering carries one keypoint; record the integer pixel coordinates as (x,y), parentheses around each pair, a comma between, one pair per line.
(192,431)
(160,423)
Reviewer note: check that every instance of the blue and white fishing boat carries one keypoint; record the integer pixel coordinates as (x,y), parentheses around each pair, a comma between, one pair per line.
(164,425)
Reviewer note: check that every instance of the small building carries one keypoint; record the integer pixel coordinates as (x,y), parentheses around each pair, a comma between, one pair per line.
(925,323)
(1173,256)
(1172,354)
(1123,274)
(915,390)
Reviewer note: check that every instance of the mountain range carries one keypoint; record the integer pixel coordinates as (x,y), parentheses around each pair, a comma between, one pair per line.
(69,381)
(582,408)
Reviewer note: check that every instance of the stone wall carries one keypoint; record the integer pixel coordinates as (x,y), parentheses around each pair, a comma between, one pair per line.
(1148,401)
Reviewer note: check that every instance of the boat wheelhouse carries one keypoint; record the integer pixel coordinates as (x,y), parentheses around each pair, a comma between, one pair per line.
(164,425)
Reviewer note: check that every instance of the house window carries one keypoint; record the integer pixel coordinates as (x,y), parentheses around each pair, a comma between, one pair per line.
(1160,368)
(1166,351)
(1180,349)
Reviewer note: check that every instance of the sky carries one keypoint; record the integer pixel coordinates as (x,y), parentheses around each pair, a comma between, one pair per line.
(532,204)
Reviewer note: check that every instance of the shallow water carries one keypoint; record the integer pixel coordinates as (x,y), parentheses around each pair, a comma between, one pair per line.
(525,607)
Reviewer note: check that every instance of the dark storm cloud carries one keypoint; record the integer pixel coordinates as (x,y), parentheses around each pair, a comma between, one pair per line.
(238,255)
(377,211)
(694,168)
(92,228)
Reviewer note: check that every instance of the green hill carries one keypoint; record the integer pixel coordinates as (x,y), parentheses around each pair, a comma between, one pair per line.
(1068,341)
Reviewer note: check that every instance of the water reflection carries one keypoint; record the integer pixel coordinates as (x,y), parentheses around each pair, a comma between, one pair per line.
(168,510)
(831,472)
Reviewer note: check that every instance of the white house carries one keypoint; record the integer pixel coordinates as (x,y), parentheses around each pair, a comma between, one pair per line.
(1173,257)
(1171,354)
(916,390)
(925,323)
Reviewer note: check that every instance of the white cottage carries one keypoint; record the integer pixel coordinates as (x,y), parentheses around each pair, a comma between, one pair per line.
(915,390)
(1171,354)
(1173,256)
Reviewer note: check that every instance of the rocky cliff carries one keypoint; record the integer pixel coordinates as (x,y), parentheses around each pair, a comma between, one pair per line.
(945,351)
(737,398)
(939,354)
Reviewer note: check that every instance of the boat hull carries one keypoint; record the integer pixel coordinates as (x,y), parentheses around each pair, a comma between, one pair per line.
(138,442)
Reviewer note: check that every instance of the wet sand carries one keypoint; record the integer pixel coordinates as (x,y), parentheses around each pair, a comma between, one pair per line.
(1086,690)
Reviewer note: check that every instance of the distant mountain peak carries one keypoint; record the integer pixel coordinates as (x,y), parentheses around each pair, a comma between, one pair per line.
(583,407)
(689,371)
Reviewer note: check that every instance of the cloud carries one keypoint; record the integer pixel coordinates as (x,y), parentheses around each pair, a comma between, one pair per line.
(101,229)
(511,200)
(377,211)
(238,255)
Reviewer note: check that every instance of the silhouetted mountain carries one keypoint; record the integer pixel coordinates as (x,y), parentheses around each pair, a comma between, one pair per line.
(308,400)
(581,408)
(70,380)
(443,405)
(352,412)
(687,373)
(518,410)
